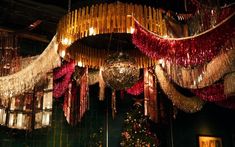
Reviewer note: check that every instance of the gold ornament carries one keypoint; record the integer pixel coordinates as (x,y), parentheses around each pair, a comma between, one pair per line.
(102,19)
(120,71)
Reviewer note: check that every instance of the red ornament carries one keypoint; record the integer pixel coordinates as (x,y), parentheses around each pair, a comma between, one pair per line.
(137,88)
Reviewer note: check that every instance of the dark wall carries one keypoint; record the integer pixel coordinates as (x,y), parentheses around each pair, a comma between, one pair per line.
(212,120)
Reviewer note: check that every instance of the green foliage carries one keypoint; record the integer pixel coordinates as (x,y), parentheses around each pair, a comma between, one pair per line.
(136,131)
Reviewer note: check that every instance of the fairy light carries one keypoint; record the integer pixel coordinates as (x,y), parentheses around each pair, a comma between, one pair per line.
(80,64)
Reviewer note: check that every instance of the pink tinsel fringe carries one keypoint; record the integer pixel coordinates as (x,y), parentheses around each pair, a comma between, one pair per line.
(186,52)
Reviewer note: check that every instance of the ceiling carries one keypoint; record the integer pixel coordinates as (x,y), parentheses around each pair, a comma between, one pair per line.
(18,15)
(38,18)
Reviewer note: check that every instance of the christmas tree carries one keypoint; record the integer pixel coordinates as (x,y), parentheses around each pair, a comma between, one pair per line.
(136,131)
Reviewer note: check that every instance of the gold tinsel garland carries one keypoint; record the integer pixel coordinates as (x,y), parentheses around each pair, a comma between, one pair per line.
(93,77)
(187,104)
(229,84)
(27,78)
(95,58)
(106,19)
(102,86)
(202,77)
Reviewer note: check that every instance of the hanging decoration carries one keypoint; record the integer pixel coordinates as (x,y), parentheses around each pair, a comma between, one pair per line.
(186,104)
(201,76)
(93,77)
(213,93)
(24,62)
(66,72)
(114,108)
(76,101)
(229,84)
(137,88)
(189,51)
(25,79)
(120,71)
(101,86)
(105,18)
(84,94)
(71,104)
(61,87)
(65,69)
(95,58)
(112,18)
(150,94)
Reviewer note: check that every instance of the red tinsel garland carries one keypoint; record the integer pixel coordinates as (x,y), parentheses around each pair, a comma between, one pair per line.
(71,103)
(137,88)
(229,103)
(84,94)
(187,52)
(76,101)
(65,71)
(60,88)
(213,93)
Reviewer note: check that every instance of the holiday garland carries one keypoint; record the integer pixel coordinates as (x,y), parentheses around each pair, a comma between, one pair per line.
(66,71)
(229,84)
(187,104)
(201,76)
(188,51)
(213,93)
(137,88)
(27,78)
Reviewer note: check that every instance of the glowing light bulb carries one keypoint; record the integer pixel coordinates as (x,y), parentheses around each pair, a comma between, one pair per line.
(80,64)
(132,30)
(62,53)
(165,36)
(66,41)
(91,31)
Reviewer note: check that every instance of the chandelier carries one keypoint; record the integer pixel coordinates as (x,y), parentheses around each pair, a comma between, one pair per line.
(96,22)
(120,71)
